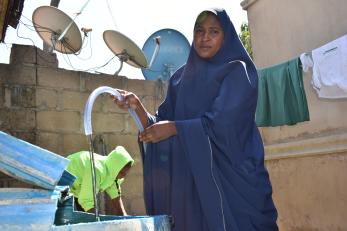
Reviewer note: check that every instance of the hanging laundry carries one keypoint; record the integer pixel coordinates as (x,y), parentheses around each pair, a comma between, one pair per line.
(306,62)
(330,69)
(281,95)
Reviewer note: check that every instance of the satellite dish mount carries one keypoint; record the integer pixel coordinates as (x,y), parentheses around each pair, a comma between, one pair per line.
(123,57)
(125,49)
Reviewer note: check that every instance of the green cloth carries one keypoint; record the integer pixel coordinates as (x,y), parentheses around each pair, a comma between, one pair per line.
(106,168)
(281,95)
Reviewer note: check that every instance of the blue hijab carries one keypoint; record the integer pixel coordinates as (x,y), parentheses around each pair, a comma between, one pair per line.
(211,175)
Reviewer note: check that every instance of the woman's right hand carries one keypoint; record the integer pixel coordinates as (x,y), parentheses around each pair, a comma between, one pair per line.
(129,100)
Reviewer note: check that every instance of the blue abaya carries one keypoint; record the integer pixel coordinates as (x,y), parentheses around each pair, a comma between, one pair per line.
(211,175)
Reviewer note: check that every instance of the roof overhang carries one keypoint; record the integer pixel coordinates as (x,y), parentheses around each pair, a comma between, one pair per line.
(247,3)
(10,13)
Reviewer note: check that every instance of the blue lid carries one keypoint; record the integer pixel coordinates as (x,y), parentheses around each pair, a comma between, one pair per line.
(30,163)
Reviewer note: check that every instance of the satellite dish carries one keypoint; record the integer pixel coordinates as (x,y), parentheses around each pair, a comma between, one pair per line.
(57,29)
(125,49)
(168,50)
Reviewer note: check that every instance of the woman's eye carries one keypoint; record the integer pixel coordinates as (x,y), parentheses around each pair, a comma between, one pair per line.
(198,31)
(214,32)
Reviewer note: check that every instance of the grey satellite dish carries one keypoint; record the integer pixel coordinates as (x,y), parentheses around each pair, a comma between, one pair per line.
(168,50)
(57,29)
(125,49)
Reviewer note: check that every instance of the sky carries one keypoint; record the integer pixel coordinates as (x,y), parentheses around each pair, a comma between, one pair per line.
(136,19)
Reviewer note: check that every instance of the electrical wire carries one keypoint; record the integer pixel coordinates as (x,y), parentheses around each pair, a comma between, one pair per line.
(110,12)
(63,45)
(32,41)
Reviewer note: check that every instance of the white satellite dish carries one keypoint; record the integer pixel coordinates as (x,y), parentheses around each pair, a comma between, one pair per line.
(125,49)
(57,29)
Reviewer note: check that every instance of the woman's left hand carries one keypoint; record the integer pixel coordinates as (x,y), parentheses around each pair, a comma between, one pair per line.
(158,131)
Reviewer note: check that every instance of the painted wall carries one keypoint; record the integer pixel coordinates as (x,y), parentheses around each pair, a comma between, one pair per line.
(44,105)
(307,162)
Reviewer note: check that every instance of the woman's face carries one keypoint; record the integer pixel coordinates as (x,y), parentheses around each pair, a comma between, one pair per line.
(208,36)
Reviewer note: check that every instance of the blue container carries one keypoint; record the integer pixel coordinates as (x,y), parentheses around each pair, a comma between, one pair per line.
(27,209)
(153,223)
(68,219)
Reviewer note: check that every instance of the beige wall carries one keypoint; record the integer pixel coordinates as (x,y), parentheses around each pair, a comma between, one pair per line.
(44,105)
(307,162)
(282,30)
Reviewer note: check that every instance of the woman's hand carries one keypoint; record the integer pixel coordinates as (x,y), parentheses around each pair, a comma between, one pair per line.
(129,100)
(158,132)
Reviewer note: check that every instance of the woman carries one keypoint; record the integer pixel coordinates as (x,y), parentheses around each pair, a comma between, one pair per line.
(204,158)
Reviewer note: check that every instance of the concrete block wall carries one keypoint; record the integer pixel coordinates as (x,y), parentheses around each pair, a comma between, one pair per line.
(44,105)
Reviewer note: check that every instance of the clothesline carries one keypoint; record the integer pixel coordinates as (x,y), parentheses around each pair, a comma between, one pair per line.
(281,95)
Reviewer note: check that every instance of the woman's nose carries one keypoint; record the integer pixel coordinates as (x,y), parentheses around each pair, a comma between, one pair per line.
(206,36)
